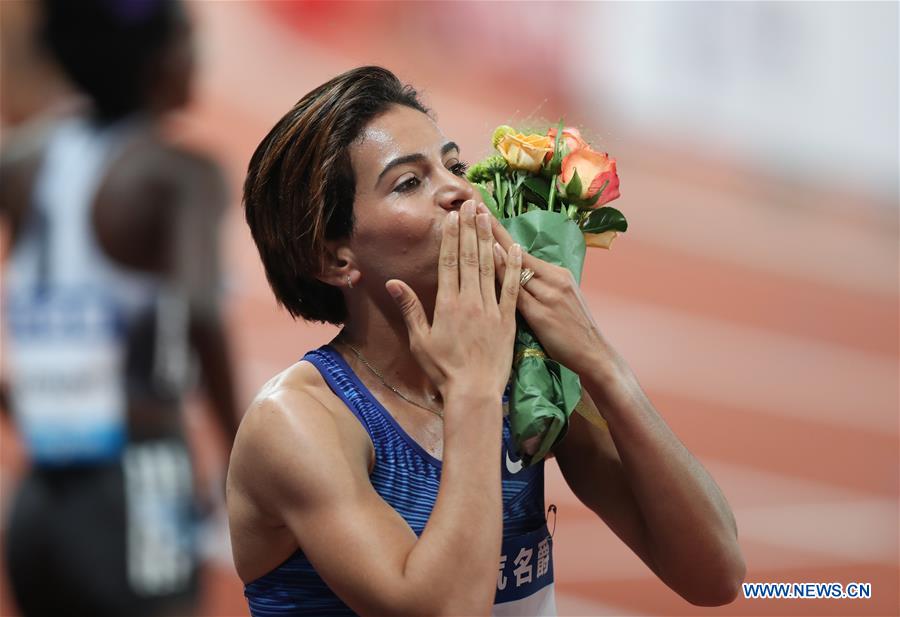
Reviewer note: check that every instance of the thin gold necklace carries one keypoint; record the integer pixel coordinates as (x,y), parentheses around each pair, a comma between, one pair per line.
(377,373)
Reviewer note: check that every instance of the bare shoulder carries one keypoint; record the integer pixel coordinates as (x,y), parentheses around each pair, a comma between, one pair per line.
(189,163)
(294,426)
(296,454)
(151,159)
(156,195)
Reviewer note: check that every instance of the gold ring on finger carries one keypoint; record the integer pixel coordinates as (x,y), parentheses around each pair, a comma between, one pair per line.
(526,275)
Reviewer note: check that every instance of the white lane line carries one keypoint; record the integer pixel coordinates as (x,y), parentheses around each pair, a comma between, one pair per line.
(775,237)
(721,362)
(744,487)
(748,487)
(805,515)
(791,536)
(783,522)
(854,532)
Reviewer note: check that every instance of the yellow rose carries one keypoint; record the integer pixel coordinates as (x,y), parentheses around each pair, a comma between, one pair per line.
(524,152)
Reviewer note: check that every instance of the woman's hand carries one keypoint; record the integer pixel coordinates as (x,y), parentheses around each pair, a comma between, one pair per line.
(553,306)
(469,344)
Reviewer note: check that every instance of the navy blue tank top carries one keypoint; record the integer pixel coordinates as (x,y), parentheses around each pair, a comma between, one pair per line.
(407,478)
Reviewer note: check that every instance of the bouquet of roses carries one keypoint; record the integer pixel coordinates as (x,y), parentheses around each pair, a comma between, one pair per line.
(549,191)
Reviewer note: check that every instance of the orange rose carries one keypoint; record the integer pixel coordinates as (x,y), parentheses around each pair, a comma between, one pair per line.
(525,152)
(596,177)
(570,136)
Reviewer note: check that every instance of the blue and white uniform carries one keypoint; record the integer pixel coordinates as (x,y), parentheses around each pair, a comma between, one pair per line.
(68,307)
(80,332)
(407,477)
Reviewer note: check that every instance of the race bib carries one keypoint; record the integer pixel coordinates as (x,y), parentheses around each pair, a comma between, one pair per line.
(66,359)
(525,575)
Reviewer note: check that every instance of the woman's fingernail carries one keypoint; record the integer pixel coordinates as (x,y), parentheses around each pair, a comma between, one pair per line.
(498,251)
(483,222)
(516,251)
(453,217)
(394,290)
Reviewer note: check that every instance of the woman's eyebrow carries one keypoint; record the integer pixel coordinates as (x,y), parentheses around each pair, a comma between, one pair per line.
(413,158)
(400,160)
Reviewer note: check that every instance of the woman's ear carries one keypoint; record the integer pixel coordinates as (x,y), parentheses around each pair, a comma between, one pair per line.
(339,269)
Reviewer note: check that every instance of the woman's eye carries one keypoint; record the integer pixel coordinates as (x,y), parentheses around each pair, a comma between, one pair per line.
(459,168)
(407,186)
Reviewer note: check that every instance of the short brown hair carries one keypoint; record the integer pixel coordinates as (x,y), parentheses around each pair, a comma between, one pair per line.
(300,185)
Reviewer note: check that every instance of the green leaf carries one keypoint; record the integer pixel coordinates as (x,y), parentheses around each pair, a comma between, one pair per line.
(573,188)
(604,219)
(538,187)
(488,198)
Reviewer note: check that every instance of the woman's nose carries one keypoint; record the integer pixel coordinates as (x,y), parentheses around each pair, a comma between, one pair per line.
(454,191)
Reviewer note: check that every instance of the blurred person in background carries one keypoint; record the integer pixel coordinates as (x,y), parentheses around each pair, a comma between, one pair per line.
(111,287)
(377,476)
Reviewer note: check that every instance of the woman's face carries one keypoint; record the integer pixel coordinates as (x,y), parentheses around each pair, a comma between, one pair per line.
(409,176)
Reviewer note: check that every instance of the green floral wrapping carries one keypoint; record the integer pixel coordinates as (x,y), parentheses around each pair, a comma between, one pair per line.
(543,393)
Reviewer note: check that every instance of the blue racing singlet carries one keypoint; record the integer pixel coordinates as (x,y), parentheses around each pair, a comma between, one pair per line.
(407,478)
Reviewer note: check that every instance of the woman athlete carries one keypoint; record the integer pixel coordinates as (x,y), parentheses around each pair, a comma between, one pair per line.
(376,476)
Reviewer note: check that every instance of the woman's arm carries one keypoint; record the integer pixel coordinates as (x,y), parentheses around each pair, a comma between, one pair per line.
(651,491)
(195,271)
(638,476)
(289,461)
